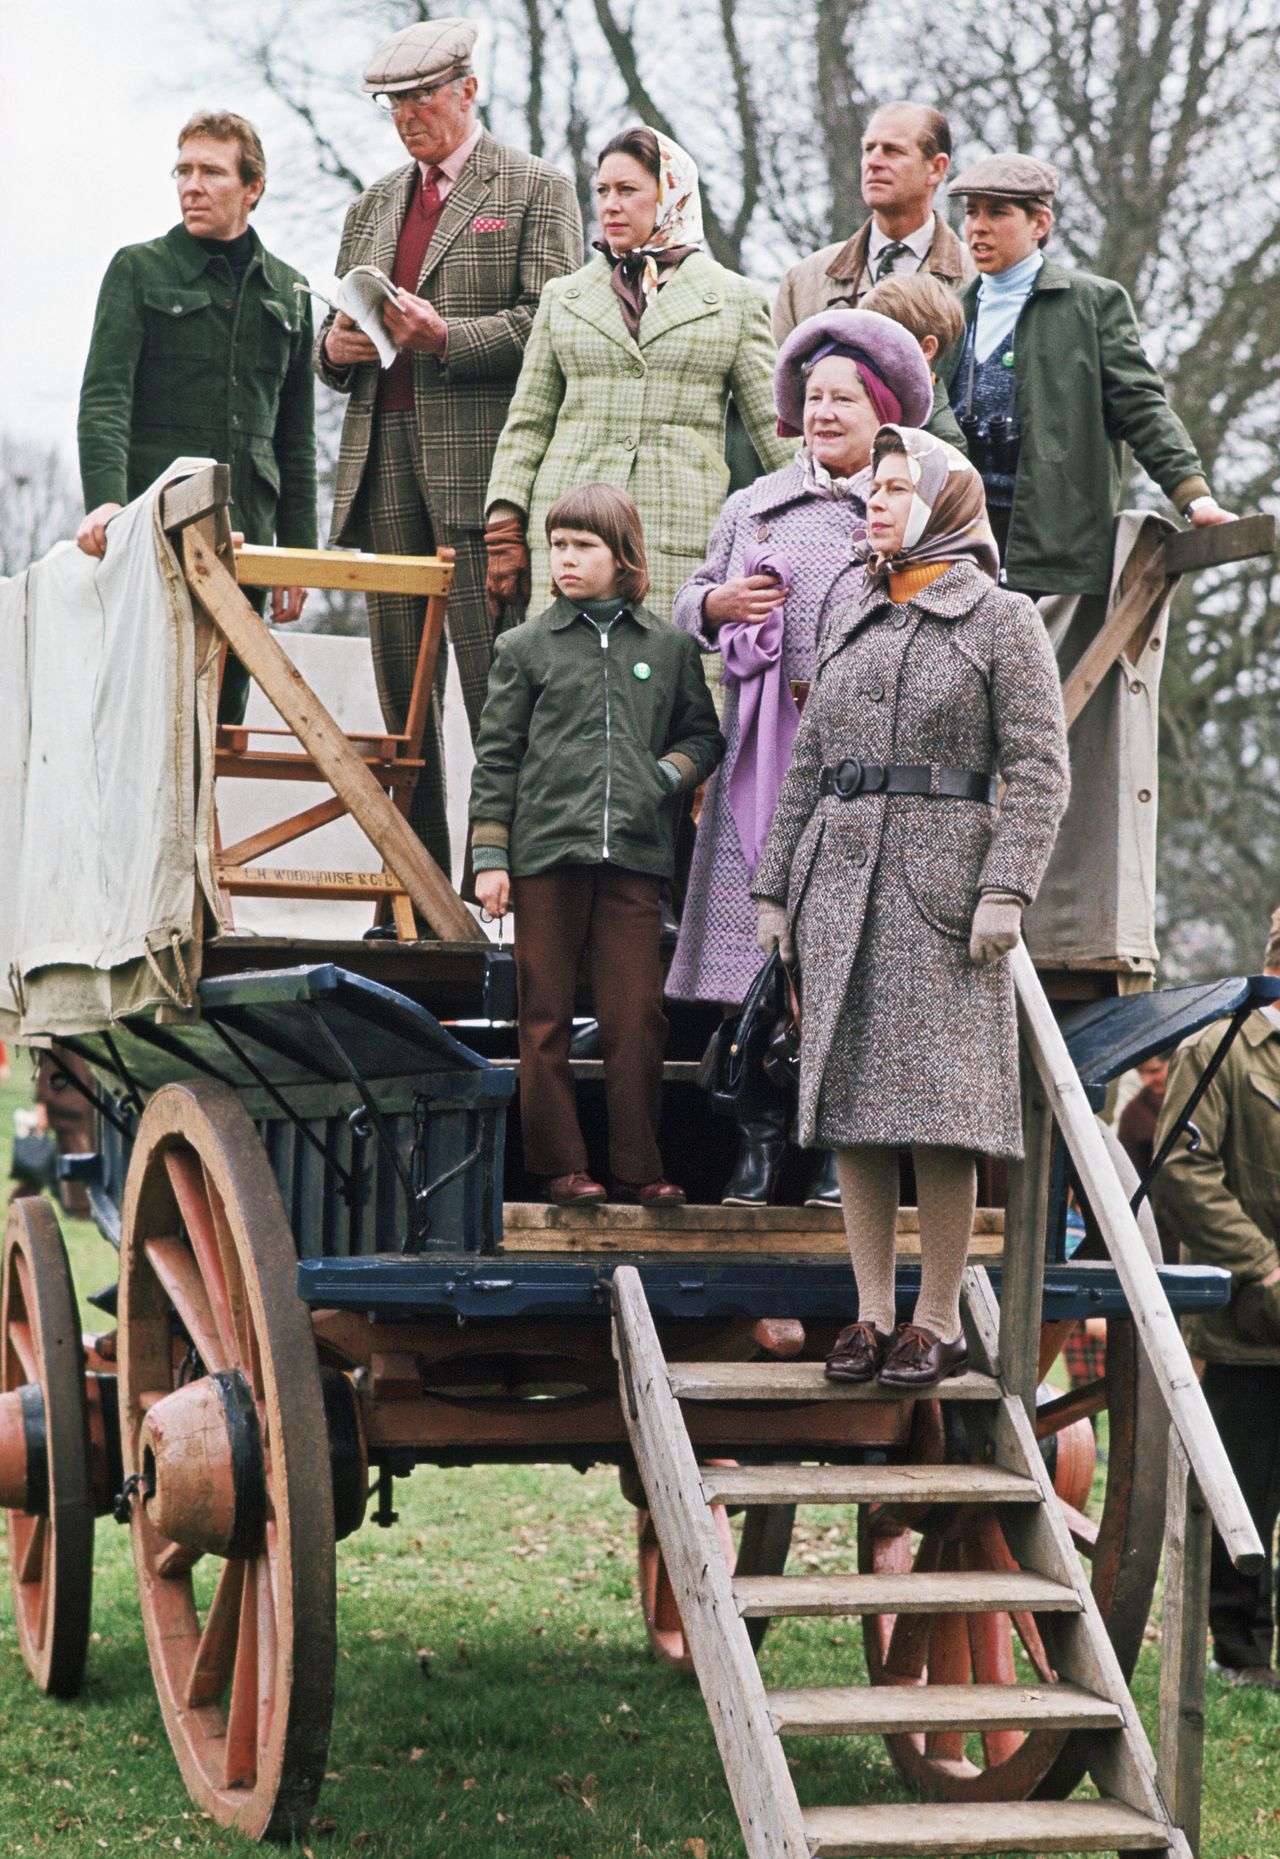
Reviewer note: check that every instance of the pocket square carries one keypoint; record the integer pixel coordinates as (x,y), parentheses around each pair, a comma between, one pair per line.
(484,224)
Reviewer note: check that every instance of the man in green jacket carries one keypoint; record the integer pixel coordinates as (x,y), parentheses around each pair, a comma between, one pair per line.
(201,346)
(1050,383)
(1221,1203)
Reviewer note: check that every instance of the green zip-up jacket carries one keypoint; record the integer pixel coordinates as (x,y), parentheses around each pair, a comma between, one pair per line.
(1221,1201)
(573,729)
(181,363)
(1085,390)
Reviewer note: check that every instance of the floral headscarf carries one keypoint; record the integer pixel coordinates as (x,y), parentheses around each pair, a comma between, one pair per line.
(948,519)
(677,231)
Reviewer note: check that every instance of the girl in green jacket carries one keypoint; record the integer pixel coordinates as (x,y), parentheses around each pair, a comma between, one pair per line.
(598,715)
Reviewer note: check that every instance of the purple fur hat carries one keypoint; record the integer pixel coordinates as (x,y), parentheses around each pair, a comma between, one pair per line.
(889,350)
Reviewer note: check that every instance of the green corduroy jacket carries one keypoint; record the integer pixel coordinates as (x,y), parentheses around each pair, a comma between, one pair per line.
(181,363)
(572,732)
(1085,389)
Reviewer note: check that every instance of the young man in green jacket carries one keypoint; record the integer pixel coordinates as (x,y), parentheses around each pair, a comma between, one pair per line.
(201,346)
(1221,1202)
(1049,383)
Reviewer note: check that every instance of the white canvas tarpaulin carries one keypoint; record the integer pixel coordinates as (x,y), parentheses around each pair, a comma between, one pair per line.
(1096,906)
(105,818)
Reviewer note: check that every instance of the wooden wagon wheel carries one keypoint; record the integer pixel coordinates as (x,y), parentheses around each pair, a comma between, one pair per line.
(1122,1547)
(44,1450)
(761,1549)
(226,1455)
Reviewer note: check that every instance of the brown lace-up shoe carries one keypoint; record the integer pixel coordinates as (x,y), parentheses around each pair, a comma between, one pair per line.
(576,1190)
(650,1193)
(857,1354)
(917,1358)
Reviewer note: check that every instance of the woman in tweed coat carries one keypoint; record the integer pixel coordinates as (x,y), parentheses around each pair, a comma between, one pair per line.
(900,902)
(626,376)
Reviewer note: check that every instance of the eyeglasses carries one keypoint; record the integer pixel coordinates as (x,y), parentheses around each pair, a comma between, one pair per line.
(393,100)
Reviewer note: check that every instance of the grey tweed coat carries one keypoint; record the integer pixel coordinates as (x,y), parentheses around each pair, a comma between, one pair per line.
(903,1039)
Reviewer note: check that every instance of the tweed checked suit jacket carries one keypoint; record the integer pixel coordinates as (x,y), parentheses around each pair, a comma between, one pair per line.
(509,224)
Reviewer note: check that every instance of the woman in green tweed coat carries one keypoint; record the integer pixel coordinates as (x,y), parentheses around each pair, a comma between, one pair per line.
(626,376)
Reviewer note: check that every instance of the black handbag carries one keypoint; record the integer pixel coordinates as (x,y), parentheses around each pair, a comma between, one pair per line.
(781,1058)
(736,1050)
(499,992)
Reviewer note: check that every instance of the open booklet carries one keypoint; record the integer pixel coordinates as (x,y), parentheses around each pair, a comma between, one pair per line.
(361,295)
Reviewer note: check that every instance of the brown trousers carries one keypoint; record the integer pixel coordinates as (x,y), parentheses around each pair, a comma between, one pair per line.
(610,916)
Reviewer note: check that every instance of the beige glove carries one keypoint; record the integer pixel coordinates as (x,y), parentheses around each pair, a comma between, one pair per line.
(997,925)
(773,930)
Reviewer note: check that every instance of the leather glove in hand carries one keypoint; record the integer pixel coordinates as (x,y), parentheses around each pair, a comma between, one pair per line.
(507,581)
(773,931)
(997,925)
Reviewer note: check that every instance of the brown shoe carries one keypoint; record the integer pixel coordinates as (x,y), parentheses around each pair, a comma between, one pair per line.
(651,1193)
(575,1190)
(917,1358)
(858,1353)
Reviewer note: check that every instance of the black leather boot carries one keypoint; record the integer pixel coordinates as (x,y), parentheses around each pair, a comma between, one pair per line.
(762,1122)
(824,1183)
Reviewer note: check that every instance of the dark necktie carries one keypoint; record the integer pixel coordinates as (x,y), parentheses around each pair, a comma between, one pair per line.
(889,256)
(395,390)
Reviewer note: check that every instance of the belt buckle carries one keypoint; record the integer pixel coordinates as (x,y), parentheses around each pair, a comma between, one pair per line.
(847,778)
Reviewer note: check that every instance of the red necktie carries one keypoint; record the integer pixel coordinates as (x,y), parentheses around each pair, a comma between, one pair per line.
(420,223)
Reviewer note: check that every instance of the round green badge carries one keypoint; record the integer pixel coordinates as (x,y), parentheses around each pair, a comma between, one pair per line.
(641,670)
(1006,360)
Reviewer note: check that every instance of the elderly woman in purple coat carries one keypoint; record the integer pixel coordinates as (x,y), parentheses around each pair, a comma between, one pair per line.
(781,560)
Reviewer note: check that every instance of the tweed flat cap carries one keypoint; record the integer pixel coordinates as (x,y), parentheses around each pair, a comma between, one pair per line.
(891,350)
(1008,177)
(431,52)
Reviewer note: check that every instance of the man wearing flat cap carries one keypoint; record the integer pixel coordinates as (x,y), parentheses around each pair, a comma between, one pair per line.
(469,231)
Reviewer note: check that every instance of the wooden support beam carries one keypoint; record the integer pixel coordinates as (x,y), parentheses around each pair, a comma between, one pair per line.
(1022,1271)
(387,830)
(1156,1324)
(350,569)
(282,833)
(284,881)
(1188,1535)
(1146,583)
(1192,549)
(203,494)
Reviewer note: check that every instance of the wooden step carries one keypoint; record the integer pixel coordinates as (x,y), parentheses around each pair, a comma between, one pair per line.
(885,1710)
(807,1381)
(964,1591)
(980,1827)
(533,1226)
(867,1484)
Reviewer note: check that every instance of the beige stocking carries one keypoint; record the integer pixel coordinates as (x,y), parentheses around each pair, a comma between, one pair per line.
(869,1202)
(947,1189)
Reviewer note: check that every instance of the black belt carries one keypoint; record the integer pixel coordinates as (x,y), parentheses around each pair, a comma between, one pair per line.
(852,777)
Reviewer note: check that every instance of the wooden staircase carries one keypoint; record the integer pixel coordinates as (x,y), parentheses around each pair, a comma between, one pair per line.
(752,1723)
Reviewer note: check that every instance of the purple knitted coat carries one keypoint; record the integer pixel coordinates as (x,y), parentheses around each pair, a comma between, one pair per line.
(716,956)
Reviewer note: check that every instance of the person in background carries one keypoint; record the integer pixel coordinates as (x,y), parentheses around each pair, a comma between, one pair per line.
(201,346)
(1136,1124)
(469,231)
(598,716)
(906,153)
(1221,1202)
(923,304)
(1051,458)
(783,560)
(630,365)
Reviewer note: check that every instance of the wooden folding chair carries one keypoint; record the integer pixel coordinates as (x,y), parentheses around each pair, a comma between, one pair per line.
(372,775)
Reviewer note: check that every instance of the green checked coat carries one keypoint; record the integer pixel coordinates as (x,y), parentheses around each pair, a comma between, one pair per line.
(509,224)
(594,404)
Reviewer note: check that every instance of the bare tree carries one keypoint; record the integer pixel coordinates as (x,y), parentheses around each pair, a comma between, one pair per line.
(39,501)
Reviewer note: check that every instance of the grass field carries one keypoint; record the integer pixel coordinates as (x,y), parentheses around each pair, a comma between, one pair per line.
(495,1695)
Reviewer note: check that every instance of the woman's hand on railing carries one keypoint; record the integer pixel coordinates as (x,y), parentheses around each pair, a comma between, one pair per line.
(997,925)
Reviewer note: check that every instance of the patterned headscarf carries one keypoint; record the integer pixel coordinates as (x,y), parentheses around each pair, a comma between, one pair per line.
(677,231)
(948,519)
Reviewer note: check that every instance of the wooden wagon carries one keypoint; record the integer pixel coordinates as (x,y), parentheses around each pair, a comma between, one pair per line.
(327,1278)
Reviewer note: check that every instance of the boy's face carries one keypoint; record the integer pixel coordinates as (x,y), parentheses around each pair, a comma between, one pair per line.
(582,566)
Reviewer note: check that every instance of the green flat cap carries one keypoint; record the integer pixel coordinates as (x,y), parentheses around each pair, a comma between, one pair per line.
(1008,177)
(429,53)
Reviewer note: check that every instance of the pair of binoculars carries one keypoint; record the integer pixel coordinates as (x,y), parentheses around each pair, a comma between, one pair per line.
(993,444)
